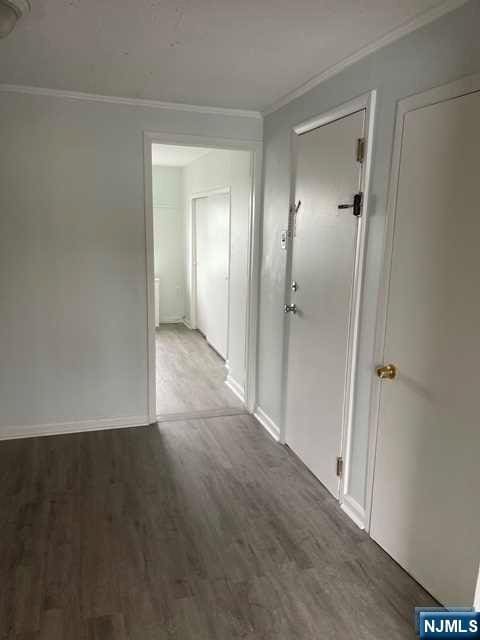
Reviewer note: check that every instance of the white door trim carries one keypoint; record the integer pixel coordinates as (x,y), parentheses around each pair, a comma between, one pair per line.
(367,102)
(191,231)
(438,94)
(255,147)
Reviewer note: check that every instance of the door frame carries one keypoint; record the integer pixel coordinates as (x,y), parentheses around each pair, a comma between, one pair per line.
(367,102)
(192,234)
(253,258)
(470,84)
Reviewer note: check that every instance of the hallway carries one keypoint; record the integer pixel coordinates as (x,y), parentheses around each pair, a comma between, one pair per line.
(190,375)
(199,530)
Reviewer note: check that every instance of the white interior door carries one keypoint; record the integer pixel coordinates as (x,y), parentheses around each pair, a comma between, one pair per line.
(324,247)
(213,253)
(426,504)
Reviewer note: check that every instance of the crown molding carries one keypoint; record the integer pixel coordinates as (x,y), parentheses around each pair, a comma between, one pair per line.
(129,102)
(419,21)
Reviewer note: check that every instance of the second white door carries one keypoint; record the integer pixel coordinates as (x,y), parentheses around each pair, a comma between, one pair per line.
(425,509)
(212,232)
(324,246)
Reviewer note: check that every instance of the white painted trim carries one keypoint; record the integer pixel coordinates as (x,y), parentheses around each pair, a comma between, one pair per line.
(267,423)
(433,96)
(395,34)
(253,259)
(191,260)
(476,599)
(367,102)
(254,268)
(58,428)
(354,511)
(187,324)
(218,191)
(171,320)
(358,288)
(150,337)
(194,140)
(235,387)
(461,87)
(129,102)
(341,111)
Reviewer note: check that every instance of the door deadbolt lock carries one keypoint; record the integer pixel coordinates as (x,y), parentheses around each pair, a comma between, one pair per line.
(356,205)
(294,285)
(387,372)
(290,308)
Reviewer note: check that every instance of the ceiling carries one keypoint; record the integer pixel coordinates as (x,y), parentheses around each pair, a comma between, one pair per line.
(165,155)
(245,54)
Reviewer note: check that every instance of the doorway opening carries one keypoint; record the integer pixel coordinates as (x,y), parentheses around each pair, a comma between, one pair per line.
(200,203)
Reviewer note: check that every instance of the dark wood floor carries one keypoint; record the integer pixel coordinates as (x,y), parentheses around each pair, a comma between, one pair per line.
(204,530)
(190,374)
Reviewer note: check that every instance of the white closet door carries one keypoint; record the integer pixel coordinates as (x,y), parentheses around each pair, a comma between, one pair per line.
(213,251)
(426,492)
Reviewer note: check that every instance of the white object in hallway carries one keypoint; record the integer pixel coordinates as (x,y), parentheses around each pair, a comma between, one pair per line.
(324,247)
(426,489)
(212,230)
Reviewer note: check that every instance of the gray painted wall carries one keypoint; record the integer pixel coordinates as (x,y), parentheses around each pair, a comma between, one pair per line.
(434,55)
(72,254)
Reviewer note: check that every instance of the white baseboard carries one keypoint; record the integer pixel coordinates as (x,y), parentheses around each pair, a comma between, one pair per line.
(187,324)
(236,387)
(58,428)
(354,510)
(170,320)
(267,423)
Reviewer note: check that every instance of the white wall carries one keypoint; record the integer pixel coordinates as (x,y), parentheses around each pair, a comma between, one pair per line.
(218,169)
(73,340)
(169,242)
(436,54)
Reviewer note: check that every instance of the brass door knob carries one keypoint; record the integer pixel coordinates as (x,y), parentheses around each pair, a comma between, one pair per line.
(387,372)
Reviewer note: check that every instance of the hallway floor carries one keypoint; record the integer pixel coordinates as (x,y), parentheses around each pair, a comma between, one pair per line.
(200,530)
(190,374)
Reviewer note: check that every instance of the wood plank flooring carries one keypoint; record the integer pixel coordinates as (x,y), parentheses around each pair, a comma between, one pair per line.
(204,530)
(190,374)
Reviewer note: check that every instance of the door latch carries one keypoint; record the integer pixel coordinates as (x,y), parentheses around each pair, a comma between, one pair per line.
(290,308)
(356,205)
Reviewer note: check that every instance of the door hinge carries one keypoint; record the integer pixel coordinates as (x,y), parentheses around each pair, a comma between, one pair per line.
(339,466)
(360,149)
